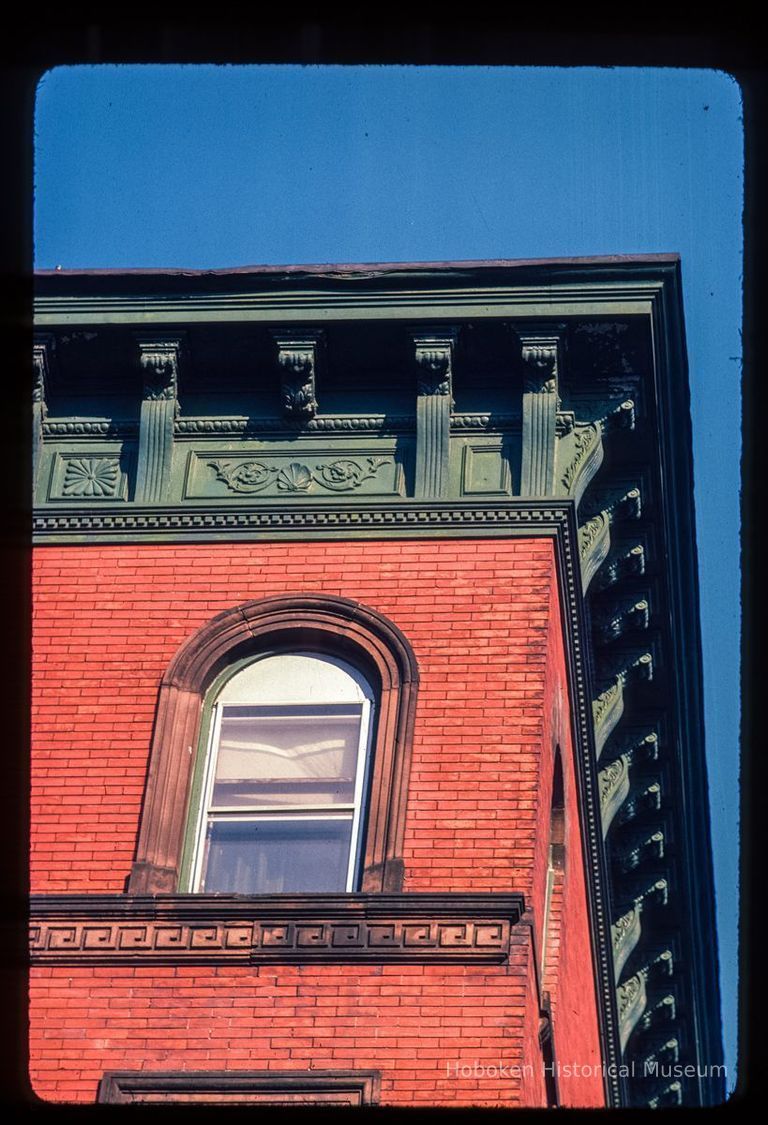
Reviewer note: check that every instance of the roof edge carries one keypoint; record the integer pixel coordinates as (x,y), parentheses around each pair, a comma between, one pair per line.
(342,268)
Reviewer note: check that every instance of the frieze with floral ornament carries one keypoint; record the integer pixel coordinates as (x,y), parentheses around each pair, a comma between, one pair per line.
(341,475)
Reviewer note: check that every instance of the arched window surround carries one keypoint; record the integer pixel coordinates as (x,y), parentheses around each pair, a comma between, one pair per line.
(308,622)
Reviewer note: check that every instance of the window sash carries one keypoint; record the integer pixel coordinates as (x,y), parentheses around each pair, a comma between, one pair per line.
(253,813)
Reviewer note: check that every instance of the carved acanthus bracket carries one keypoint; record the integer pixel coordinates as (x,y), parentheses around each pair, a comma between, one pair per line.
(664,1010)
(542,352)
(615,783)
(612,404)
(614,786)
(647,798)
(632,999)
(662,966)
(565,420)
(640,749)
(612,661)
(580,449)
(670,1095)
(625,934)
(628,617)
(643,848)
(579,456)
(628,564)
(160,361)
(656,893)
(621,417)
(595,533)
(608,708)
(594,545)
(434,351)
(632,996)
(664,1053)
(657,1063)
(297,358)
(43,358)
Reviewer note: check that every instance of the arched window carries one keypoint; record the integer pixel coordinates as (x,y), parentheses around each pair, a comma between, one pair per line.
(280,754)
(284,780)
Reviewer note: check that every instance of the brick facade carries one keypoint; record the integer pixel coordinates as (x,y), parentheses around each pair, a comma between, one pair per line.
(483,618)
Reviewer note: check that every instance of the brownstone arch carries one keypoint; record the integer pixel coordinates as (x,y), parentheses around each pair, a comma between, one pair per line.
(310,622)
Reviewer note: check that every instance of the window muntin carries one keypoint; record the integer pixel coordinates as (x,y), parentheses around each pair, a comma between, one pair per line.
(286,772)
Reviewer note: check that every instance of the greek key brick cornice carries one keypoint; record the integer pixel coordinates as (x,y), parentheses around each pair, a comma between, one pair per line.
(294,929)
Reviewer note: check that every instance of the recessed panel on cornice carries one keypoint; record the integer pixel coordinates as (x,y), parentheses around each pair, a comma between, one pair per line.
(98,473)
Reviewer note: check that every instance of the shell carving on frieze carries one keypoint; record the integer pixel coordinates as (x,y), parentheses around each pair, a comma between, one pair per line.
(294,478)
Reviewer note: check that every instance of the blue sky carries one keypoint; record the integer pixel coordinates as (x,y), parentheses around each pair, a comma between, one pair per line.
(216,166)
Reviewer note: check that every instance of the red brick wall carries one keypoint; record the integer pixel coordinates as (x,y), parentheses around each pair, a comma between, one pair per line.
(572,989)
(483,619)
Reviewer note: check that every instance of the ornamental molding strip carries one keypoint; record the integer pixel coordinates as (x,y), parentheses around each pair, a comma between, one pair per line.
(200,521)
(97,428)
(214,427)
(290,929)
(191,426)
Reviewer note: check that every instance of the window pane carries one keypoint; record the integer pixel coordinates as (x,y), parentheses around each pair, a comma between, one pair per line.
(287,755)
(277,856)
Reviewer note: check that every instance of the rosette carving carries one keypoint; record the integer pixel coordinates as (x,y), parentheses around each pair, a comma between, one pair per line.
(343,474)
(91,477)
(243,476)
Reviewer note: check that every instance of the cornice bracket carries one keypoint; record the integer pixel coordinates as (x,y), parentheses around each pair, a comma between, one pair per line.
(160,360)
(434,350)
(595,533)
(542,352)
(641,850)
(160,363)
(627,617)
(43,358)
(630,563)
(297,357)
